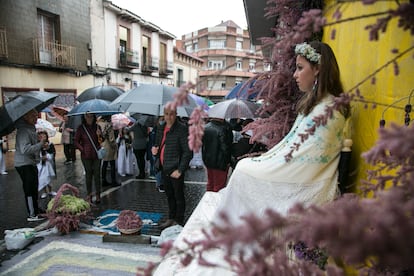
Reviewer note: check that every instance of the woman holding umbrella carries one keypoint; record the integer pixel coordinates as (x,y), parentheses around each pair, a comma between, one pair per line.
(26,157)
(86,140)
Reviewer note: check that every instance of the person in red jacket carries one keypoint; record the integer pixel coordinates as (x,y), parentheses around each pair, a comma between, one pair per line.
(171,143)
(89,157)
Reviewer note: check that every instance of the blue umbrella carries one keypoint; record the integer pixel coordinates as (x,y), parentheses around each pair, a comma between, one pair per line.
(241,91)
(95,106)
(200,101)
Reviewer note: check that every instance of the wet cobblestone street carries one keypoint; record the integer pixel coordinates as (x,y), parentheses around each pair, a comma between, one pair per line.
(134,194)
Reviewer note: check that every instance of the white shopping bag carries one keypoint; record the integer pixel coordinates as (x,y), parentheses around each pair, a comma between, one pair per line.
(18,238)
(170,233)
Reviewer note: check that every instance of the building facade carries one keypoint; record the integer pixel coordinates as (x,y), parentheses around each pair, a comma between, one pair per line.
(186,66)
(127,50)
(66,47)
(229,57)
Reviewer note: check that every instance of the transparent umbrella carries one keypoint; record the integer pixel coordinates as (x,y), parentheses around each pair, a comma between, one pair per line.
(120,121)
(234,108)
(43,125)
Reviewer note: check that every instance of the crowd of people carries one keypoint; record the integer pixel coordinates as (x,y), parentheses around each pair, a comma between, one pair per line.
(160,151)
(129,152)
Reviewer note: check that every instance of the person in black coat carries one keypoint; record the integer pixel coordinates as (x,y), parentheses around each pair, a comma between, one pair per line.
(171,144)
(216,152)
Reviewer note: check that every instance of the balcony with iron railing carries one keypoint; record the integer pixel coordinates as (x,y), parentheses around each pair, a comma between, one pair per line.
(166,68)
(3,43)
(129,59)
(53,54)
(149,64)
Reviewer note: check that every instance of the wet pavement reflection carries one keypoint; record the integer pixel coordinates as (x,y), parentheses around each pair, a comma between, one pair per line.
(134,194)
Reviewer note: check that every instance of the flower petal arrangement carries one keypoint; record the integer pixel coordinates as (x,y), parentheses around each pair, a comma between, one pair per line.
(129,222)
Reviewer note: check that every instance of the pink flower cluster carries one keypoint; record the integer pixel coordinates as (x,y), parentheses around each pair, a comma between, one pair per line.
(128,219)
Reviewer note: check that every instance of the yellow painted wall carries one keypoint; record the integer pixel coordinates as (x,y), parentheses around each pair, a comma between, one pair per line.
(359,57)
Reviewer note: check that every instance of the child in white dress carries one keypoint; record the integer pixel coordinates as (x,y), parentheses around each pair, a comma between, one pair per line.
(46,167)
(126,162)
(3,150)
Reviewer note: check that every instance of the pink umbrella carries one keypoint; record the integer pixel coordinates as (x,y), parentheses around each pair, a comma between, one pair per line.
(120,121)
(59,111)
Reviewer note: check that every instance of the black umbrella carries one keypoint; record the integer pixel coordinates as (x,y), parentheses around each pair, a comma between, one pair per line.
(103,92)
(17,107)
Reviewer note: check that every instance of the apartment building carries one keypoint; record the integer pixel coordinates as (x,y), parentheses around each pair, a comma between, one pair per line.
(229,57)
(128,50)
(66,47)
(186,65)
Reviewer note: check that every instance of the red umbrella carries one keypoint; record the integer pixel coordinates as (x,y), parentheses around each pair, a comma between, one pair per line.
(59,111)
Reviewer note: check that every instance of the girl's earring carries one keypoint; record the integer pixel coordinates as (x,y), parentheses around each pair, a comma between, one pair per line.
(315,86)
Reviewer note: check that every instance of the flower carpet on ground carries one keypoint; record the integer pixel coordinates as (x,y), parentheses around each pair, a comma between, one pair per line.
(80,254)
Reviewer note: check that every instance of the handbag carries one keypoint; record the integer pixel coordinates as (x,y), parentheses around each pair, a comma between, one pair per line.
(101,152)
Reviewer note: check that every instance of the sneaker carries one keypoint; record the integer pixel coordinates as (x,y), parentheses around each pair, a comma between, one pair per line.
(34,218)
(4,173)
(68,162)
(44,195)
(53,193)
(151,177)
(161,189)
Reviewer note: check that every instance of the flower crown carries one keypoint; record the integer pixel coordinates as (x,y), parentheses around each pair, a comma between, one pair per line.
(306,51)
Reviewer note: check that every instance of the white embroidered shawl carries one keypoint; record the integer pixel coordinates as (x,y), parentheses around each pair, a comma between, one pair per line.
(269,181)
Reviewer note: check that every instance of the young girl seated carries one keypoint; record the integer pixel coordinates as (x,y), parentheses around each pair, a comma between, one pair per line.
(46,167)
(126,162)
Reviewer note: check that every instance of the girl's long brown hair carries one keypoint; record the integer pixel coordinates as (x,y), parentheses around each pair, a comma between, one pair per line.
(329,80)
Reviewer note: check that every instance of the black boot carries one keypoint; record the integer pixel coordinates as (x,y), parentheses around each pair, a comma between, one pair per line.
(104,182)
(114,183)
